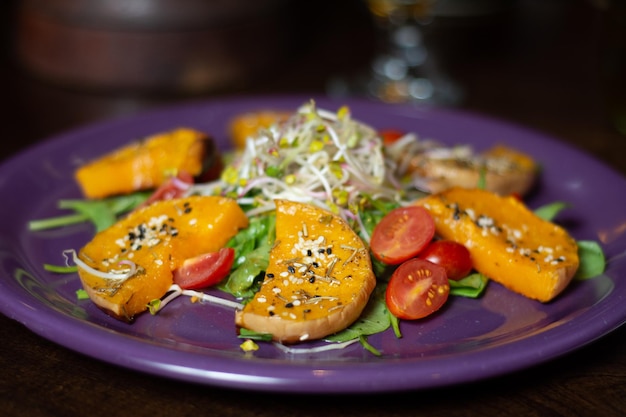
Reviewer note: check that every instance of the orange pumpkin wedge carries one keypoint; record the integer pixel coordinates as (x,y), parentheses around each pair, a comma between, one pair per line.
(507,242)
(248,124)
(146,164)
(318,280)
(156,239)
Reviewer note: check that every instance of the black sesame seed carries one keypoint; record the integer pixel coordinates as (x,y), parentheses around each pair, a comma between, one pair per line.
(270,275)
(271,313)
(312,280)
(329,251)
(321,250)
(309,252)
(289,305)
(315,265)
(291,269)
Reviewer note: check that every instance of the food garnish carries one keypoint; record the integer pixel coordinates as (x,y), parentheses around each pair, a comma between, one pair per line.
(320,227)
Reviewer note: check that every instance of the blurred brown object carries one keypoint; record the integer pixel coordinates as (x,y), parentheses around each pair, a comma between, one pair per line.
(186,46)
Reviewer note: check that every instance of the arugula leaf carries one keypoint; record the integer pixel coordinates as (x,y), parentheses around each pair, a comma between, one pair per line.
(252,246)
(590,253)
(249,334)
(550,211)
(367,346)
(98,212)
(395,324)
(242,282)
(592,260)
(374,319)
(471,286)
(101,213)
(60,269)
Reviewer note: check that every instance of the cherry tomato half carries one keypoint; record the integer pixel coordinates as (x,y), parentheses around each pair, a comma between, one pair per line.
(402,234)
(389,136)
(416,289)
(452,256)
(171,188)
(204,270)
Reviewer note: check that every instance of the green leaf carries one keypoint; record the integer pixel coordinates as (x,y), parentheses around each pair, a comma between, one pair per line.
(252,248)
(60,269)
(98,212)
(592,260)
(242,281)
(395,324)
(249,334)
(54,222)
(368,346)
(374,319)
(471,286)
(482,179)
(550,211)
(81,294)
(102,213)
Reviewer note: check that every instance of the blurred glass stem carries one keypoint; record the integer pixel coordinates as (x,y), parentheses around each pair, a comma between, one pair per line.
(404,69)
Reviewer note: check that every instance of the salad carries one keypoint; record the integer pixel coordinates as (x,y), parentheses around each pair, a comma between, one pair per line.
(348,169)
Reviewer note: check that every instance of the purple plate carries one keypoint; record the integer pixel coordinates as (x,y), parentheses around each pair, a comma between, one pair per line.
(468,340)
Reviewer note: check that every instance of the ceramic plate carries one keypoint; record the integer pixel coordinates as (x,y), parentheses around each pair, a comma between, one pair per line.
(470,339)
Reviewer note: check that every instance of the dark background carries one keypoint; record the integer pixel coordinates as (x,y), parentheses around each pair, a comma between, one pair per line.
(532,62)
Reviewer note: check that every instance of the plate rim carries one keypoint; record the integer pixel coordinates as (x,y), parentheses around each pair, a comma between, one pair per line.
(31,318)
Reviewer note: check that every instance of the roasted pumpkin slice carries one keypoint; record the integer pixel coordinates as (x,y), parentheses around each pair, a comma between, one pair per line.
(248,124)
(504,170)
(146,164)
(318,280)
(153,241)
(507,242)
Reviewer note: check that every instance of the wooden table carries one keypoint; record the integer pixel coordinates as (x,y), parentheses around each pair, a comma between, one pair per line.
(540,72)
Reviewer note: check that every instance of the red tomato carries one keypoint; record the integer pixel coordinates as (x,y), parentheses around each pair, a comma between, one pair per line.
(402,234)
(173,187)
(204,270)
(417,288)
(452,256)
(390,135)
